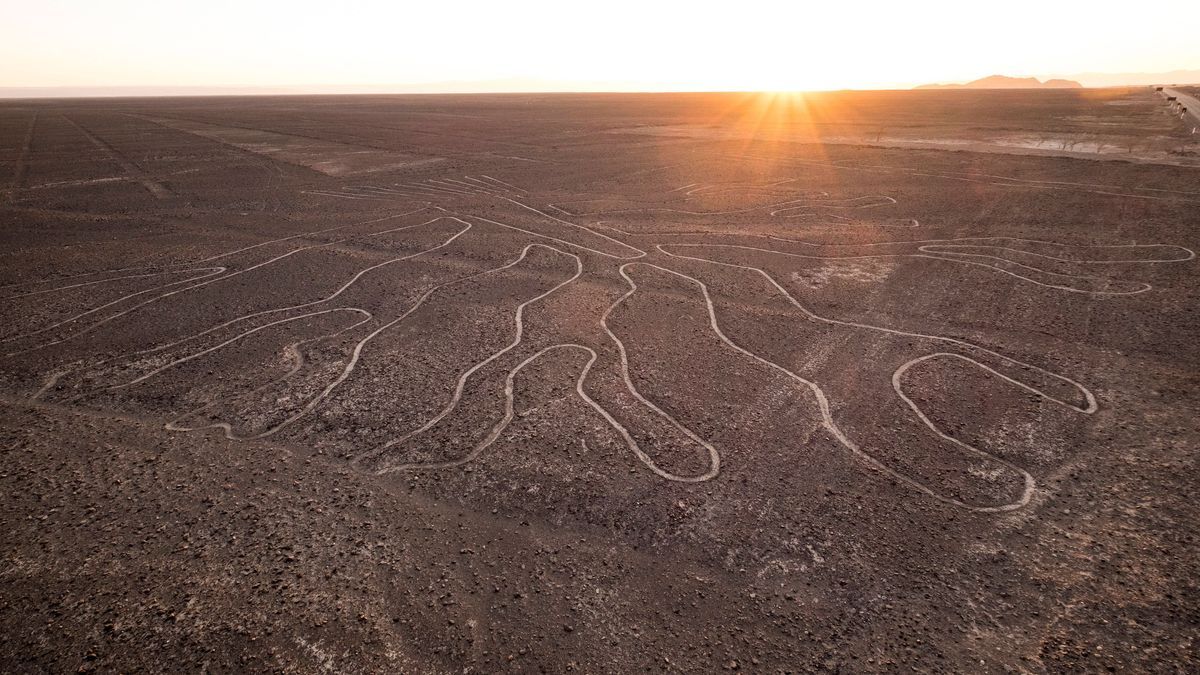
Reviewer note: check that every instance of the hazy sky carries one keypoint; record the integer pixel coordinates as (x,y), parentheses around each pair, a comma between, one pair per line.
(744,44)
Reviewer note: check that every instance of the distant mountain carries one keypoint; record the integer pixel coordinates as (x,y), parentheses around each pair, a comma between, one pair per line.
(1004,82)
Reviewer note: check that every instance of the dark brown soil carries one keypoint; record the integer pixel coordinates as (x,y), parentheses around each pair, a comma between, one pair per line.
(861,382)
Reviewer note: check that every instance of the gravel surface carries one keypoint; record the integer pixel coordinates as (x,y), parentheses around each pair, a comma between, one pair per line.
(864,382)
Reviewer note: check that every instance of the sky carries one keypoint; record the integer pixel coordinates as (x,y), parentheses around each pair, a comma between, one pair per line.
(568,44)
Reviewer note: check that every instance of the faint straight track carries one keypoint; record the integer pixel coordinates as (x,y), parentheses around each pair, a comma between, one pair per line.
(18,180)
(132,170)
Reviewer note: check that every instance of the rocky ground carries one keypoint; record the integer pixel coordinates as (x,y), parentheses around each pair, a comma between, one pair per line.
(863,382)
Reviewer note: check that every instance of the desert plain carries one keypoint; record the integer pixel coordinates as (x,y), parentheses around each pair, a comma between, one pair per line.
(855,381)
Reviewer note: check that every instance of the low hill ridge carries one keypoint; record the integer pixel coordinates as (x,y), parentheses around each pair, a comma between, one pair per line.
(1005,82)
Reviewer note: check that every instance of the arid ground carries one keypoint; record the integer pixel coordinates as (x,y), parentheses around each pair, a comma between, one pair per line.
(856,382)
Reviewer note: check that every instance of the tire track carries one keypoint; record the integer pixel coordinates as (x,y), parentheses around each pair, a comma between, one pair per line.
(22,167)
(132,170)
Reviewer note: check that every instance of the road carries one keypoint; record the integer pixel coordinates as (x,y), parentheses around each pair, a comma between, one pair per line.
(1189,102)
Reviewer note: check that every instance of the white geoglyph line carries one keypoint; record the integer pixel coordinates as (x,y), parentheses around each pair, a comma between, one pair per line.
(450,188)
(831,425)
(493,186)
(640,252)
(421,191)
(353,279)
(1012,182)
(616,425)
(219,255)
(928,251)
(377,190)
(950,257)
(495,192)
(500,426)
(880,200)
(772,209)
(507,185)
(368,192)
(471,188)
(1088,396)
(754,187)
(461,384)
(1138,287)
(350,366)
(1189,253)
(213,270)
(336,194)
(564,242)
(714,457)
(367,316)
(119,300)
(436,189)
(207,280)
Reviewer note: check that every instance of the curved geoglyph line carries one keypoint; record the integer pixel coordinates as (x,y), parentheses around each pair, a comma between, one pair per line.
(345,286)
(776,209)
(631,443)
(959,257)
(356,354)
(502,192)
(203,281)
(341,289)
(988,179)
(218,256)
(461,384)
(831,425)
(865,202)
(638,253)
(1091,406)
(967,250)
(46,291)
(509,414)
(929,248)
